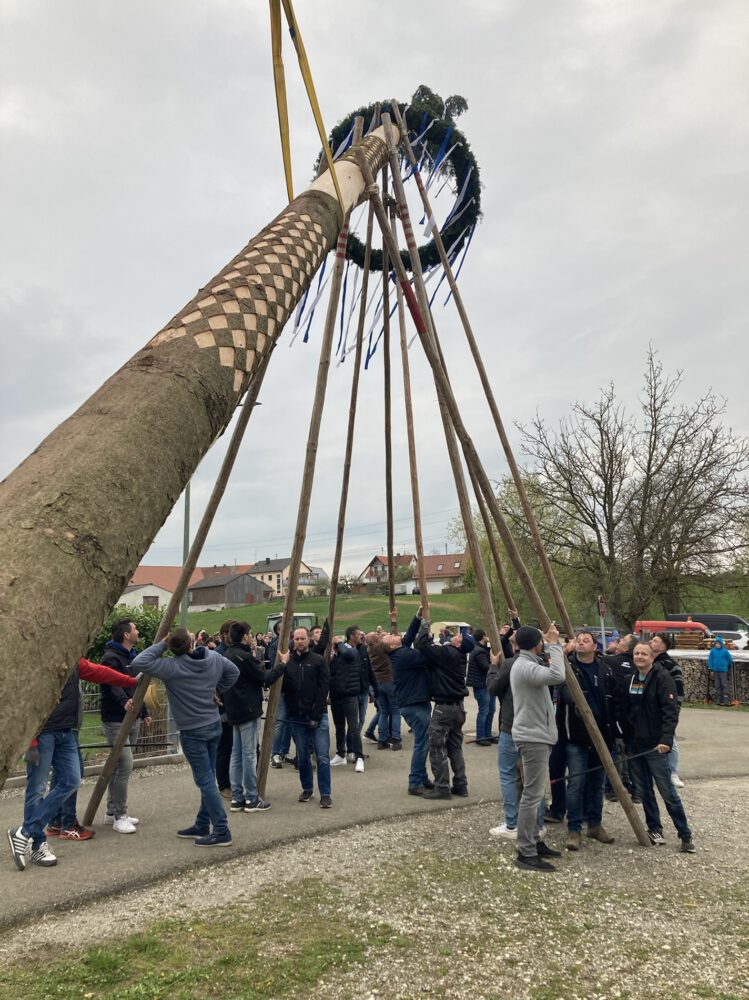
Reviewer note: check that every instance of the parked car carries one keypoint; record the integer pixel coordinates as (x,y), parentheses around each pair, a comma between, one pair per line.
(739,639)
(714,622)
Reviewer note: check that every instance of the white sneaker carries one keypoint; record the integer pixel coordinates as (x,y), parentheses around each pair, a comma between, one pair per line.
(676,781)
(124,825)
(43,857)
(337,760)
(109,819)
(503,830)
(359,765)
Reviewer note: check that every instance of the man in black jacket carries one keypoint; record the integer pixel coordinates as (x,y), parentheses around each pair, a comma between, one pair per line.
(652,712)
(447,672)
(118,654)
(305,688)
(345,686)
(585,775)
(243,707)
(478,667)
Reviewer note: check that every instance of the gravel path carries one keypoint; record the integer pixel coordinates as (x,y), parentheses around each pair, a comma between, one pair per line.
(614,921)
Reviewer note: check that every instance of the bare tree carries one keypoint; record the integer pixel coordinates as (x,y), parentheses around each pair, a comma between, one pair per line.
(642,505)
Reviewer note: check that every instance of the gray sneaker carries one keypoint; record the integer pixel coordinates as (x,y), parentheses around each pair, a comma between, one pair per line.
(656,838)
(256,805)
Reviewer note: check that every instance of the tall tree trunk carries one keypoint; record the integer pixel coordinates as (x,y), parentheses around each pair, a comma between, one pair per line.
(78,514)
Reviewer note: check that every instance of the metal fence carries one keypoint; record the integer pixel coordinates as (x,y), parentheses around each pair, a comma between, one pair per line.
(156,740)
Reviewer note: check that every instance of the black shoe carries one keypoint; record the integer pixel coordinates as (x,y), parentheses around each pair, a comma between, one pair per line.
(305,796)
(533,863)
(494,739)
(326,802)
(428,784)
(438,793)
(544,851)
(550,817)
(192,832)
(462,792)
(482,743)
(383,745)
(687,847)
(417,790)
(637,800)
(214,840)
(395,744)
(237,805)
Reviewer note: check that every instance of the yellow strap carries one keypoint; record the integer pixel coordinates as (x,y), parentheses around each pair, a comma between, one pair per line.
(280,82)
(307,77)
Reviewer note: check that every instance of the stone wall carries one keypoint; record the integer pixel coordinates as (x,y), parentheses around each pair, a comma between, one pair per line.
(694,668)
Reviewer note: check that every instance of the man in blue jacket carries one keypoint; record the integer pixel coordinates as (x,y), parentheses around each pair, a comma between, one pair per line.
(411,679)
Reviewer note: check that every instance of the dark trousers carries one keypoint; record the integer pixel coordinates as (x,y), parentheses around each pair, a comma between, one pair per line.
(446,746)
(223,755)
(345,713)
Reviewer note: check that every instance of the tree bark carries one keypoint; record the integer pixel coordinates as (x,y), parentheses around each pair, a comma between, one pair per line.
(78,514)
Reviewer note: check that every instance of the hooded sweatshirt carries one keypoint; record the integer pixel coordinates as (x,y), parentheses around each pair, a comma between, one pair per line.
(531,681)
(190,681)
(719,659)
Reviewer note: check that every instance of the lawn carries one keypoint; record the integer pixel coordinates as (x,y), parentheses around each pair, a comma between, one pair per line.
(367,612)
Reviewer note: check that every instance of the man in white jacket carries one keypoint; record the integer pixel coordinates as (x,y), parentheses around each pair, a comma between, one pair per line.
(538,666)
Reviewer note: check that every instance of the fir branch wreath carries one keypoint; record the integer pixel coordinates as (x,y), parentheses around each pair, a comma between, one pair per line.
(442,114)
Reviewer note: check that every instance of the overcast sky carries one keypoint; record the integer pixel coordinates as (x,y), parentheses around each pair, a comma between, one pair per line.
(140,152)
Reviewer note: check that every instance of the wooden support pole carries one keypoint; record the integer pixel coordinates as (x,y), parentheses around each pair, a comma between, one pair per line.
(486,384)
(411,436)
(222,481)
(305,499)
(422,318)
(482,581)
(388,413)
(358,128)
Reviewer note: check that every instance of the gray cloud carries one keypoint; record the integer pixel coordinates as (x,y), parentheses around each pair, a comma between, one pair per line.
(140,151)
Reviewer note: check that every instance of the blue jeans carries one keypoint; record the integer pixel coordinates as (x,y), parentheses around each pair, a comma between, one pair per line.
(390,716)
(418,718)
(674,757)
(67,814)
(363,706)
(58,749)
(309,741)
(487,704)
(282,730)
(585,776)
(199,747)
(653,767)
(508,781)
(243,765)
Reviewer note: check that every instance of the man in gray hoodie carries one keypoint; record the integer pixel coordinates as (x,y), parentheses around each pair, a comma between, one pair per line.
(538,666)
(194,678)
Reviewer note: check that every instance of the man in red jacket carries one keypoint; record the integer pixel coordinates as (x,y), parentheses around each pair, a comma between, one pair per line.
(56,747)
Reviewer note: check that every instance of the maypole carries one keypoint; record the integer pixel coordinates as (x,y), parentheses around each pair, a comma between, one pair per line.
(73,527)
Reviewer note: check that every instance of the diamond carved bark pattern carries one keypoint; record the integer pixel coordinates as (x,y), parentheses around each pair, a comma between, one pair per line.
(241,310)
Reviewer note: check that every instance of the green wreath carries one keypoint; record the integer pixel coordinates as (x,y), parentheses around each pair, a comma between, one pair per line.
(441,114)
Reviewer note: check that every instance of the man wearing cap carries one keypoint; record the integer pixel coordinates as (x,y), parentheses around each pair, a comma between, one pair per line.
(538,666)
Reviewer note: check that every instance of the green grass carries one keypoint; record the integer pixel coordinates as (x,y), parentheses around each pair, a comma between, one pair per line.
(367,612)
(225,953)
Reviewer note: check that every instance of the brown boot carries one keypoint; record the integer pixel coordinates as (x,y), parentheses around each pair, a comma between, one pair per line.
(574,840)
(600,834)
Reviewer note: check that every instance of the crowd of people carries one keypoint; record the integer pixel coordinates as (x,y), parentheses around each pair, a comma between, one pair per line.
(217,689)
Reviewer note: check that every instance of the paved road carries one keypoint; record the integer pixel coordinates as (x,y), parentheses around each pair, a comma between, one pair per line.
(715,744)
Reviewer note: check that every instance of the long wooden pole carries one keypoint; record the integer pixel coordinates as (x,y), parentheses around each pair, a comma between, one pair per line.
(486,384)
(346,476)
(482,582)
(411,437)
(191,561)
(305,499)
(422,319)
(387,395)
